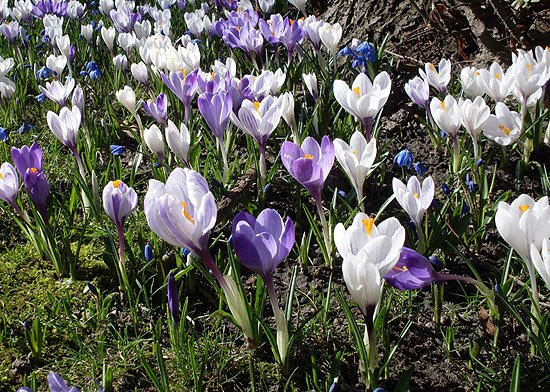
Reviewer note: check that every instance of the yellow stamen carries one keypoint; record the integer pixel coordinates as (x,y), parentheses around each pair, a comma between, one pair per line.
(212,74)
(528,66)
(369,224)
(357,91)
(257,106)
(1,176)
(186,213)
(401,269)
(308,156)
(291,22)
(504,129)
(238,28)
(117,183)
(497,76)
(524,208)
(355,152)
(415,194)
(431,66)
(184,73)
(478,73)
(443,105)
(34,170)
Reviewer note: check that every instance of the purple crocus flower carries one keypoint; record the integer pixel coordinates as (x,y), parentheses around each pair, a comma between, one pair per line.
(215,108)
(184,86)
(418,91)
(38,189)
(157,109)
(246,38)
(310,164)
(57,384)
(173,298)
(10,30)
(294,35)
(230,5)
(124,19)
(263,243)
(27,157)
(273,29)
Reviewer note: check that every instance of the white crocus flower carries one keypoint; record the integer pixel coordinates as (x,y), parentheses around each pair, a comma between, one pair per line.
(266,5)
(58,91)
(438,78)
(414,198)
(503,127)
(369,252)
(473,116)
(139,72)
(529,77)
(56,63)
(542,264)
(178,140)
(65,125)
(287,111)
(446,115)
(63,43)
(127,97)
(330,36)
(257,119)
(496,83)
(470,81)
(356,159)
(87,32)
(364,99)
(108,35)
(154,140)
(310,80)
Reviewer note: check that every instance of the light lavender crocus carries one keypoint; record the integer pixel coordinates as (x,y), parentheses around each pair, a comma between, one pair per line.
(157,108)
(184,86)
(418,91)
(9,187)
(310,165)
(182,212)
(119,201)
(57,91)
(261,245)
(216,108)
(38,189)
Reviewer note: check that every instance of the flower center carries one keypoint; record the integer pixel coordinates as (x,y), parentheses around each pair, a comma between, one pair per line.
(431,66)
(34,170)
(1,176)
(117,183)
(369,224)
(478,73)
(415,194)
(308,156)
(404,268)
(355,152)
(524,208)
(357,91)
(497,76)
(504,129)
(443,105)
(257,106)
(186,213)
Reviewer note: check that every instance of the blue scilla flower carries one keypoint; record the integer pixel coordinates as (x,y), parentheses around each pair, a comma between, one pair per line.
(185,252)
(367,50)
(45,73)
(83,73)
(25,128)
(3,134)
(445,188)
(116,150)
(95,74)
(403,158)
(420,168)
(346,51)
(148,252)
(480,162)
(91,65)
(40,98)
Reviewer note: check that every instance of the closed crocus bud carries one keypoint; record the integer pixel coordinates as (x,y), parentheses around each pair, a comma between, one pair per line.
(78,99)
(310,80)
(266,5)
(503,127)
(127,97)
(287,106)
(65,126)
(470,81)
(119,201)
(87,32)
(120,61)
(108,35)
(178,140)
(57,384)
(473,116)
(64,45)
(216,108)
(330,36)
(439,78)
(418,91)
(153,139)
(542,261)
(139,72)
(157,108)
(9,183)
(173,298)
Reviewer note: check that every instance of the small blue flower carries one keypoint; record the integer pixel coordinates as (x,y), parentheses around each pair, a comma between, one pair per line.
(498,288)
(465,209)
(267,187)
(445,188)
(117,150)
(185,252)
(156,165)
(25,128)
(436,262)
(95,74)
(346,51)
(45,73)
(83,73)
(148,252)
(341,193)
(403,158)
(40,97)
(420,168)
(3,134)
(479,162)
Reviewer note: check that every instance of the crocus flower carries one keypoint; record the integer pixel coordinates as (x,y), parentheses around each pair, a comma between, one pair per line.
(119,201)
(473,116)
(57,384)
(57,91)
(418,91)
(470,81)
(9,183)
(309,164)
(27,157)
(38,189)
(127,97)
(262,243)
(182,212)
(496,83)
(439,78)
(503,127)
(529,78)
(540,261)
(216,108)
(157,108)
(178,140)
(300,4)
(139,72)
(447,117)
(173,298)
(310,80)
(356,159)
(65,126)
(330,35)
(154,140)
(364,99)
(184,86)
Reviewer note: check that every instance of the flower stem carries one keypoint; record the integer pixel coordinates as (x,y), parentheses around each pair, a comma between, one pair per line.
(280,319)
(121,261)
(263,169)
(225,164)
(359,193)
(324,224)
(367,124)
